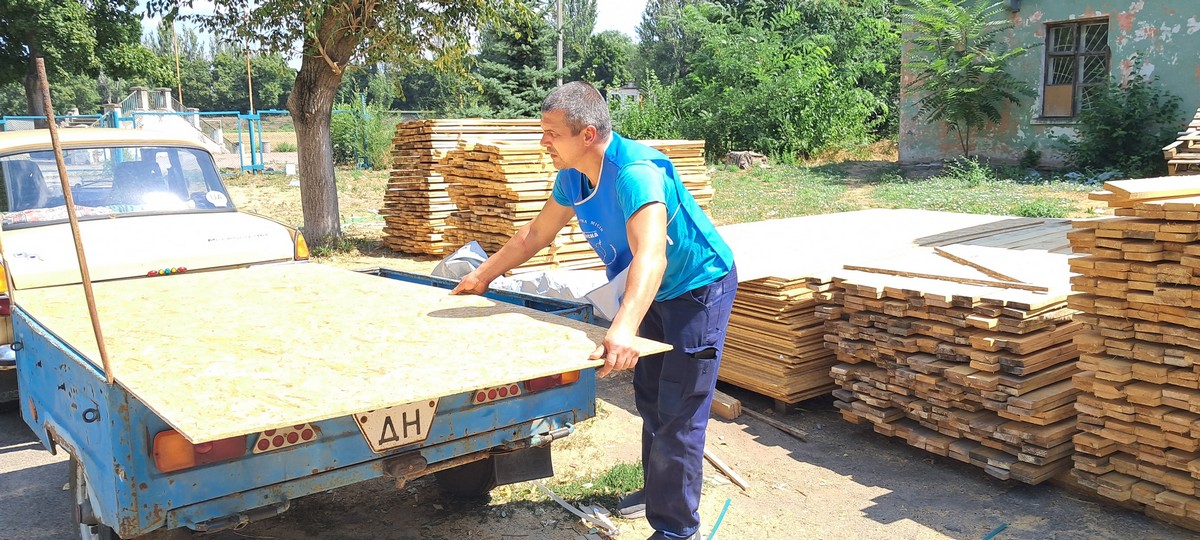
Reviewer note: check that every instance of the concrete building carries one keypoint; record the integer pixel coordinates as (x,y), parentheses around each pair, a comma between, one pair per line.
(1076,45)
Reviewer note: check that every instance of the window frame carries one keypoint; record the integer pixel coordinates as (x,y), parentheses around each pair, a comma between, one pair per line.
(1079,56)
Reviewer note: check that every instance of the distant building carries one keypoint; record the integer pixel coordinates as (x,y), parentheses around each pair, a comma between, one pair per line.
(1076,45)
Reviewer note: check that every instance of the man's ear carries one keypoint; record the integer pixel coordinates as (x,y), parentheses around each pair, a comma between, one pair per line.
(589,135)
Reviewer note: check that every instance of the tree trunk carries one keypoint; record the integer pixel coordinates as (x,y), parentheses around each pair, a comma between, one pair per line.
(311,105)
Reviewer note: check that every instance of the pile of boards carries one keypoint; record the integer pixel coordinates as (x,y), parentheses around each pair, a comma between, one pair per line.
(499,187)
(775,344)
(1183,155)
(416,205)
(962,348)
(1139,291)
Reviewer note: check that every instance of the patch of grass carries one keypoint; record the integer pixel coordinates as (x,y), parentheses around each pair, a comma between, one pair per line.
(779,192)
(285,147)
(971,187)
(605,489)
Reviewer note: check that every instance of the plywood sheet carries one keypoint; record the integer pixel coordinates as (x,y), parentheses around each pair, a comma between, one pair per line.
(222,354)
(801,247)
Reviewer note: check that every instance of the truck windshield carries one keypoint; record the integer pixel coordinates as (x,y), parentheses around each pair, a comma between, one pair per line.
(109,182)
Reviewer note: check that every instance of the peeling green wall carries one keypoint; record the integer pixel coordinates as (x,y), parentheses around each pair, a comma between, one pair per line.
(1165,33)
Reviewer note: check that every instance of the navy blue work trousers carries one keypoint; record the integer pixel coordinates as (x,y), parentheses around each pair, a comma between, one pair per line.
(673,391)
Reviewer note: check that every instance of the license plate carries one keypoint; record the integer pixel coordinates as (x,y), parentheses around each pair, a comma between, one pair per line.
(393,427)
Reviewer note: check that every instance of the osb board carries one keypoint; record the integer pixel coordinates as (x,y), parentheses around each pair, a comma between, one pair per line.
(800,247)
(221,354)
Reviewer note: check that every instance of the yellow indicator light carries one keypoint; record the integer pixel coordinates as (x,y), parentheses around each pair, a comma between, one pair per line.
(301,247)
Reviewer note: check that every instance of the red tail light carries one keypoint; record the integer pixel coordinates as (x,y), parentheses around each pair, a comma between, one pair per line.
(5,306)
(551,381)
(172,452)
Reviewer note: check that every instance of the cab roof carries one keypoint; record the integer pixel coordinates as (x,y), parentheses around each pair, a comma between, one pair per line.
(39,139)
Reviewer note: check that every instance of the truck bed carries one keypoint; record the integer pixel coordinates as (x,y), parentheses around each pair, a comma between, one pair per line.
(228,353)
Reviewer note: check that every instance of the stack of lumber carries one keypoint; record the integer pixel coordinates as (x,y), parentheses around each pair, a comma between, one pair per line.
(1183,155)
(964,350)
(775,342)
(416,204)
(1139,290)
(499,187)
(688,158)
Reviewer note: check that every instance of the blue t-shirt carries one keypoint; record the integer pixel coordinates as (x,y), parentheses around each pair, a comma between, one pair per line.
(632,176)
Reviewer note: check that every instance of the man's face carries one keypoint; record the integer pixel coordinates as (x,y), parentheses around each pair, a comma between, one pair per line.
(565,148)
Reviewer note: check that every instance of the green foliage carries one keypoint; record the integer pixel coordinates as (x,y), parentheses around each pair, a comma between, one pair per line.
(579,22)
(606,62)
(1030,158)
(1043,207)
(663,42)
(958,64)
(362,136)
(653,116)
(755,85)
(75,37)
(285,147)
(608,486)
(516,68)
(1124,127)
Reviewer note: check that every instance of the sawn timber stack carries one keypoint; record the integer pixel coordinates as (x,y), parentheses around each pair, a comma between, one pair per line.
(957,360)
(499,187)
(775,343)
(1139,291)
(416,204)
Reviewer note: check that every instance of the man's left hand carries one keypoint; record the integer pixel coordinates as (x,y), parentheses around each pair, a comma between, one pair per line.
(617,351)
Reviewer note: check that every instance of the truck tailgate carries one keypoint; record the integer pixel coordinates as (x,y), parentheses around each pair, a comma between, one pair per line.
(221,354)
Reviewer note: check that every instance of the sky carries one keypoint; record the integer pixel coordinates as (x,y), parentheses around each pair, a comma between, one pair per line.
(623,15)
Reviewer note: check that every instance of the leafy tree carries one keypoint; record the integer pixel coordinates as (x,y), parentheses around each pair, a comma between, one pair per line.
(579,21)
(654,115)
(606,63)
(334,34)
(754,86)
(663,44)
(75,37)
(516,68)
(958,64)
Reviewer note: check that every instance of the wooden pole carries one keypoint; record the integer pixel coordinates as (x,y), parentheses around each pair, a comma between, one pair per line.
(178,72)
(70,202)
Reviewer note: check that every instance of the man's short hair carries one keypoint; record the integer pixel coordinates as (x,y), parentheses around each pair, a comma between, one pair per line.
(583,106)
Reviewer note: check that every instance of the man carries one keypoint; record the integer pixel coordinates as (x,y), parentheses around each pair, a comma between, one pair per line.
(680,283)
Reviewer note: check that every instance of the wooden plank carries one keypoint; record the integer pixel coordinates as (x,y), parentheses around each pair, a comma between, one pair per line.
(726,406)
(317,343)
(956,279)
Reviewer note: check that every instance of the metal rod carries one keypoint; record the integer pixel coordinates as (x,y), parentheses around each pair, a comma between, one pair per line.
(70,202)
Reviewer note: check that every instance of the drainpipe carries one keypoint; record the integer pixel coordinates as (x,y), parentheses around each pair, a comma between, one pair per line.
(1014,5)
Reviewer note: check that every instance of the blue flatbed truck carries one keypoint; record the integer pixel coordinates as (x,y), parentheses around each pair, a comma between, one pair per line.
(132,474)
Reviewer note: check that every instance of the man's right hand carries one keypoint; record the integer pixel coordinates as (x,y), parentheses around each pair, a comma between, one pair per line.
(471,284)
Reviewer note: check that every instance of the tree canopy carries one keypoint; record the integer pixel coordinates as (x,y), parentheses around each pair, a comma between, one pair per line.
(75,37)
(333,35)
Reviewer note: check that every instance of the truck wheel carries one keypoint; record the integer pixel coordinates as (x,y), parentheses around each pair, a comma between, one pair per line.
(473,480)
(84,495)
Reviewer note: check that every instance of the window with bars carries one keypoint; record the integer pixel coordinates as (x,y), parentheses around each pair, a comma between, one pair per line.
(1077,66)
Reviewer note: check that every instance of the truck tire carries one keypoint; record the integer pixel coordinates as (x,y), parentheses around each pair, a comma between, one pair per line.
(473,480)
(83,494)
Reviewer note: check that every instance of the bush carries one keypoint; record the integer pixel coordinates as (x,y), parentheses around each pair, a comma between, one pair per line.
(362,136)
(285,147)
(651,117)
(1125,128)
(761,83)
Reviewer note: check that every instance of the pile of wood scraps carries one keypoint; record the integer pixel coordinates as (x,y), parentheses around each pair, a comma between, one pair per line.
(962,348)
(1139,290)
(775,342)
(1183,155)
(416,204)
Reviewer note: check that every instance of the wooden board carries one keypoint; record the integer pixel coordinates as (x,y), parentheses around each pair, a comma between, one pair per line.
(221,354)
